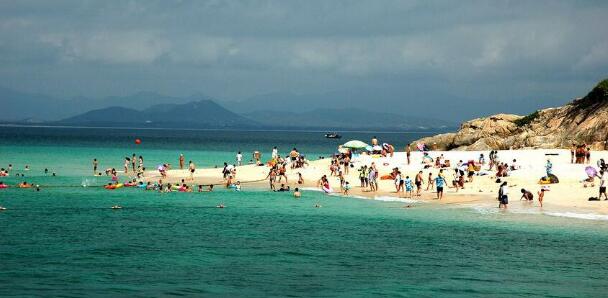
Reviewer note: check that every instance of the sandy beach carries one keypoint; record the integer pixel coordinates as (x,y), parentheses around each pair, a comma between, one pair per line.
(569,195)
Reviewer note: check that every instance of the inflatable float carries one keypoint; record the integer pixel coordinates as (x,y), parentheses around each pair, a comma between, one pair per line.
(113,186)
(3,186)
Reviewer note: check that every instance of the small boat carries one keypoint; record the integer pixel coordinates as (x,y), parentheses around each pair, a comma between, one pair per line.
(333,135)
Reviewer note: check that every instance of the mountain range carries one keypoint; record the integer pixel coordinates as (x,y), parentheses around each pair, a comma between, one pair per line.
(147,109)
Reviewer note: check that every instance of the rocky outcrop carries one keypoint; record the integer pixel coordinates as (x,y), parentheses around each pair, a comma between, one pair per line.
(583,121)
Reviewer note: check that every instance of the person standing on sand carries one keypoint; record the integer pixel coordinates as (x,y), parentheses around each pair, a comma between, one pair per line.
(239,159)
(275,152)
(371,178)
(374,141)
(346,164)
(181,161)
(95,164)
(431,182)
(133,162)
(588,155)
(141,163)
(602,177)
(541,196)
(408,186)
(419,181)
(408,152)
(439,182)
(503,195)
(127,161)
(572,152)
(191,169)
(398,182)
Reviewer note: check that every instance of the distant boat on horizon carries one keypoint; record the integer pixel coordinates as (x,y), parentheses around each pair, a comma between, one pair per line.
(333,135)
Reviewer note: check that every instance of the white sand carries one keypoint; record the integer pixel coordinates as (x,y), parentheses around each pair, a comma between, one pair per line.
(567,196)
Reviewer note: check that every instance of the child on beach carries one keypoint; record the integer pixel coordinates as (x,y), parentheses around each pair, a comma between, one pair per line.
(526,195)
(541,196)
(346,188)
(408,186)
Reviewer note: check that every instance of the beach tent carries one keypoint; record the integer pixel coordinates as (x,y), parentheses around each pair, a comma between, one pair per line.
(355,144)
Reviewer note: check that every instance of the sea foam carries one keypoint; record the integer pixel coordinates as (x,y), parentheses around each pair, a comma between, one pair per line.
(394,199)
(588,216)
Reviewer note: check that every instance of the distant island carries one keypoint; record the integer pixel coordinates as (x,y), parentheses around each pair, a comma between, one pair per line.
(151,110)
(582,121)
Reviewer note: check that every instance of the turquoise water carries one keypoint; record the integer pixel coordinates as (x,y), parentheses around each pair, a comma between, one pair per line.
(66,241)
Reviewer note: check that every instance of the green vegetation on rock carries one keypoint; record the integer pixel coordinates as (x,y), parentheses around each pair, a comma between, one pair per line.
(526,120)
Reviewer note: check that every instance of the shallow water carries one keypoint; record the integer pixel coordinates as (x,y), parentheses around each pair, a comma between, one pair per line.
(67,241)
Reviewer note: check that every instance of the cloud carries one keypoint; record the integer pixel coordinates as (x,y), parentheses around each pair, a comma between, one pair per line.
(109,47)
(240,48)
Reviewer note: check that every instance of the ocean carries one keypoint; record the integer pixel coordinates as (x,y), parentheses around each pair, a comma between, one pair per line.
(66,240)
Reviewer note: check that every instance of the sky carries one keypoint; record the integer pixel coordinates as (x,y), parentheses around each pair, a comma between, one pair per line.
(476,53)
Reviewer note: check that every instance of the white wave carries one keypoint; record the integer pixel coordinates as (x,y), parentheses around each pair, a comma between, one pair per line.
(589,216)
(311,189)
(485,209)
(395,199)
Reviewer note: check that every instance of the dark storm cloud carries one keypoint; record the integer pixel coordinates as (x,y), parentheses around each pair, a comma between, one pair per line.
(492,50)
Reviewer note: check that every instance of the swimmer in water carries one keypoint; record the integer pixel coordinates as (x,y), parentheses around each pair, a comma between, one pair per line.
(318,206)
(296,193)
(2,208)
(116,207)
(220,206)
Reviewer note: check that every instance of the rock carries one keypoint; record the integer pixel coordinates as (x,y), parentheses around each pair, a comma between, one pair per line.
(583,121)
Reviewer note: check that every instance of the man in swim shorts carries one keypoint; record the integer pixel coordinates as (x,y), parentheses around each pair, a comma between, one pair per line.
(418,181)
(439,183)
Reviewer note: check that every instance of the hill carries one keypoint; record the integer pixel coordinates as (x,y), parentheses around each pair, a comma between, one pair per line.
(582,121)
(30,107)
(196,114)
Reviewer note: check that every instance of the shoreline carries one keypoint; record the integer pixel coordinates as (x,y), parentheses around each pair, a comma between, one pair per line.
(568,195)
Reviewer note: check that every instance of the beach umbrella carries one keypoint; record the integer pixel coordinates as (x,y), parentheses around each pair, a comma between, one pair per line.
(591,172)
(354,144)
